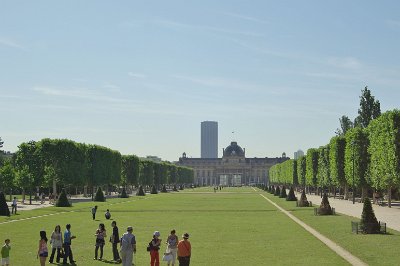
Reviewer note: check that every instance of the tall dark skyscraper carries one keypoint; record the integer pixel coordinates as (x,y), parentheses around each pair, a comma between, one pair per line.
(209,139)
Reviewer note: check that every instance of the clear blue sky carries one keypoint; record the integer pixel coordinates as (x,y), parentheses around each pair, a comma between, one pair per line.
(139,77)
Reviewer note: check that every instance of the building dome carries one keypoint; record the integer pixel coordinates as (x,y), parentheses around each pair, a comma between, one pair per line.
(233,150)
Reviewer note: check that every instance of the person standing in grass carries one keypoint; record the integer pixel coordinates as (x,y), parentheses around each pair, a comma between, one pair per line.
(67,245)
(128,247)
(94,210)
(43,252)
(5,253)
(56,241)
(172,246)
(100,242)
(114,239)
(184,250)
(155,244)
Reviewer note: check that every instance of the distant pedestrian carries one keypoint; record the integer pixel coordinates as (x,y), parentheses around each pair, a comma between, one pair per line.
(128,247)
(184,250)
(94,210)
(5,253)
(43,252)
(42,198)
(154,245)
(172,246)
(100,241)
(67,245)
(107,214)
(114,239)
(14,206)
(56,241)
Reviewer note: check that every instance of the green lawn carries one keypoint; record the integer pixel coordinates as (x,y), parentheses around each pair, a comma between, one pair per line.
(372,249)
(225,229)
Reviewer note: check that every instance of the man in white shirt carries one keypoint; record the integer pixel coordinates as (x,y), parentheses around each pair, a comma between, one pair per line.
(14,206)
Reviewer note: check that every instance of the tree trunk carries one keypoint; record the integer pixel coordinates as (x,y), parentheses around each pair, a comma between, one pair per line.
(23,195)
(85,191)
(54,188)
(363,193)
(390,197)
(346,192)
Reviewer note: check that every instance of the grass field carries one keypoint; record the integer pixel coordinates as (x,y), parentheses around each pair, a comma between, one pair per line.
(235,226)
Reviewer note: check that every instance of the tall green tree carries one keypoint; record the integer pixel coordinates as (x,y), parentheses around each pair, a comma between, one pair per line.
(301,170)
(356,153)
(324,176)
(130,169)
(345,125)
(7,176)
(337,147)
(369,109)
(29,167)
(312,167)
(146,176)
(384,136)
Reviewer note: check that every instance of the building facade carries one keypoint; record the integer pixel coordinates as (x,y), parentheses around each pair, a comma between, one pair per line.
(233,169)
(209,139)
(298,154)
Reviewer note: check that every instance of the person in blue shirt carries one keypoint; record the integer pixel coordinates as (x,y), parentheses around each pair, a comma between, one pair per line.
(67,245)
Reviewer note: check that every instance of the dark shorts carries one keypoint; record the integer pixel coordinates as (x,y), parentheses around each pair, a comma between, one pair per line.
(44,254)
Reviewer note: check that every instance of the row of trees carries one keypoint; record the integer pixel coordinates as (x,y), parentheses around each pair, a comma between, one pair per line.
(63,163)
(364,156)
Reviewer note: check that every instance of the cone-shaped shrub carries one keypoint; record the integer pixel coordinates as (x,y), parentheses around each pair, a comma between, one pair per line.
(154,190)
(272,190)
(303,200)
(140,192)
(175,189)
(4,210)
(99,195)
(181,187)
(63,200)
(164,189)
(325,207)
(124,194)
(283,193)
(291,196)
(369,224)
(277,191)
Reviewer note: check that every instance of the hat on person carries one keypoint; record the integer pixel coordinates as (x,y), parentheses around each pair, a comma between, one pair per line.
(130,228)
(185,235)
(156,233)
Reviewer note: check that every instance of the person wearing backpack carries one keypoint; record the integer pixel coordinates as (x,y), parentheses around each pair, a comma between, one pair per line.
(154,248)
(128,247)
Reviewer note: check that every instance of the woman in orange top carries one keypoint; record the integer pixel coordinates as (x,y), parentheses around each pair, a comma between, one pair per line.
(184,250)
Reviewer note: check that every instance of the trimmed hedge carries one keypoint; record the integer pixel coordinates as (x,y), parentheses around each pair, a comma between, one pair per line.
(63,200)
(140,192)
(124,194)
(4,210)
(154,190)
(99,195)
(291,196)
(369,224)
(283,193)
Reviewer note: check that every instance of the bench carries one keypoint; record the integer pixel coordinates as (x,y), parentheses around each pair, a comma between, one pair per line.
(317,213)
(356,227)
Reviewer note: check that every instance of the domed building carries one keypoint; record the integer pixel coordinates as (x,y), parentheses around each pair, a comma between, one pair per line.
(233,169)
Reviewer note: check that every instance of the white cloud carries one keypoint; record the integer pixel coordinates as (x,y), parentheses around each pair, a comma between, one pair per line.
(395,23)
(350,63)
(137,75)
(178,25)
(82,93)
(11,43)
(244,17)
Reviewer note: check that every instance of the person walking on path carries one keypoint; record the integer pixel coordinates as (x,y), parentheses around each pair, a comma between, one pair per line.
(155,244)
(67,245)
(128,247)
(5,253)
(14,206)
(100,241)
(56,241)
(114,239)
(94,210)
(172,246)
(184,250)
(43,252)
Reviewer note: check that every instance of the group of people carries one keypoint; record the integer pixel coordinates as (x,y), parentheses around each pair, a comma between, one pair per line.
(175,248)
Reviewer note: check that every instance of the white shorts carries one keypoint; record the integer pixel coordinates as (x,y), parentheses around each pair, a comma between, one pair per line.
(5,261)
